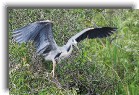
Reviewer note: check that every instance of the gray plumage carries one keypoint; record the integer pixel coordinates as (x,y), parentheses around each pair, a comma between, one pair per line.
(40,33)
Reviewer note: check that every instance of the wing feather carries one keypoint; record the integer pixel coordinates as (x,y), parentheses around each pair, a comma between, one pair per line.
(91,33)
(40,33)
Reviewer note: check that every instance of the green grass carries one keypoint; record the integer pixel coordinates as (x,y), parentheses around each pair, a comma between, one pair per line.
(108,66)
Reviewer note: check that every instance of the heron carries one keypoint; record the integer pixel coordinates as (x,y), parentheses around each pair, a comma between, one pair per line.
(40,33)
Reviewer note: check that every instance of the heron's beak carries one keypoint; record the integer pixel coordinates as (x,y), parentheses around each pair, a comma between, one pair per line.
(76,46)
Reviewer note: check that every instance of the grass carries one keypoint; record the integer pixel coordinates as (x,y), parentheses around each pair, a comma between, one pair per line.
(108,66)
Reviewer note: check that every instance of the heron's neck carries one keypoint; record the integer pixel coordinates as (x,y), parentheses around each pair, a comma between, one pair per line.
(66,51)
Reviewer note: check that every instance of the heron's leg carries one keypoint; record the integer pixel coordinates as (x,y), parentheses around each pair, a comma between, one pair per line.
(53,71)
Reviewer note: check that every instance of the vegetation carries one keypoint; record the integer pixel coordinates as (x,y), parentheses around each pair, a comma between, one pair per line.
(108,66)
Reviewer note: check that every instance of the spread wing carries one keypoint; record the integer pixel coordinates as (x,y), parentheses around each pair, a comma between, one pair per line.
(91,33)
(40,33)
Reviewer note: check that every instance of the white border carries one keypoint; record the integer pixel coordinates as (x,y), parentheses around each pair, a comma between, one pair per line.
(44,3)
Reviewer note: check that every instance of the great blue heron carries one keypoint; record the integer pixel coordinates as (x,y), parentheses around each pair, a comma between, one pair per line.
(40,32)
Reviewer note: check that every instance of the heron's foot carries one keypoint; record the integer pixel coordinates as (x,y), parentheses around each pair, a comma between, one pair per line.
(53,73)
(49,74)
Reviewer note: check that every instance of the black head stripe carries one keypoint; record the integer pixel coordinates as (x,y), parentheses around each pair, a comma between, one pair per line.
(58,55)
(68,48)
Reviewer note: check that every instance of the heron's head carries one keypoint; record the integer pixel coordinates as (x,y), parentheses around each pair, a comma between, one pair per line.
(74,43)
